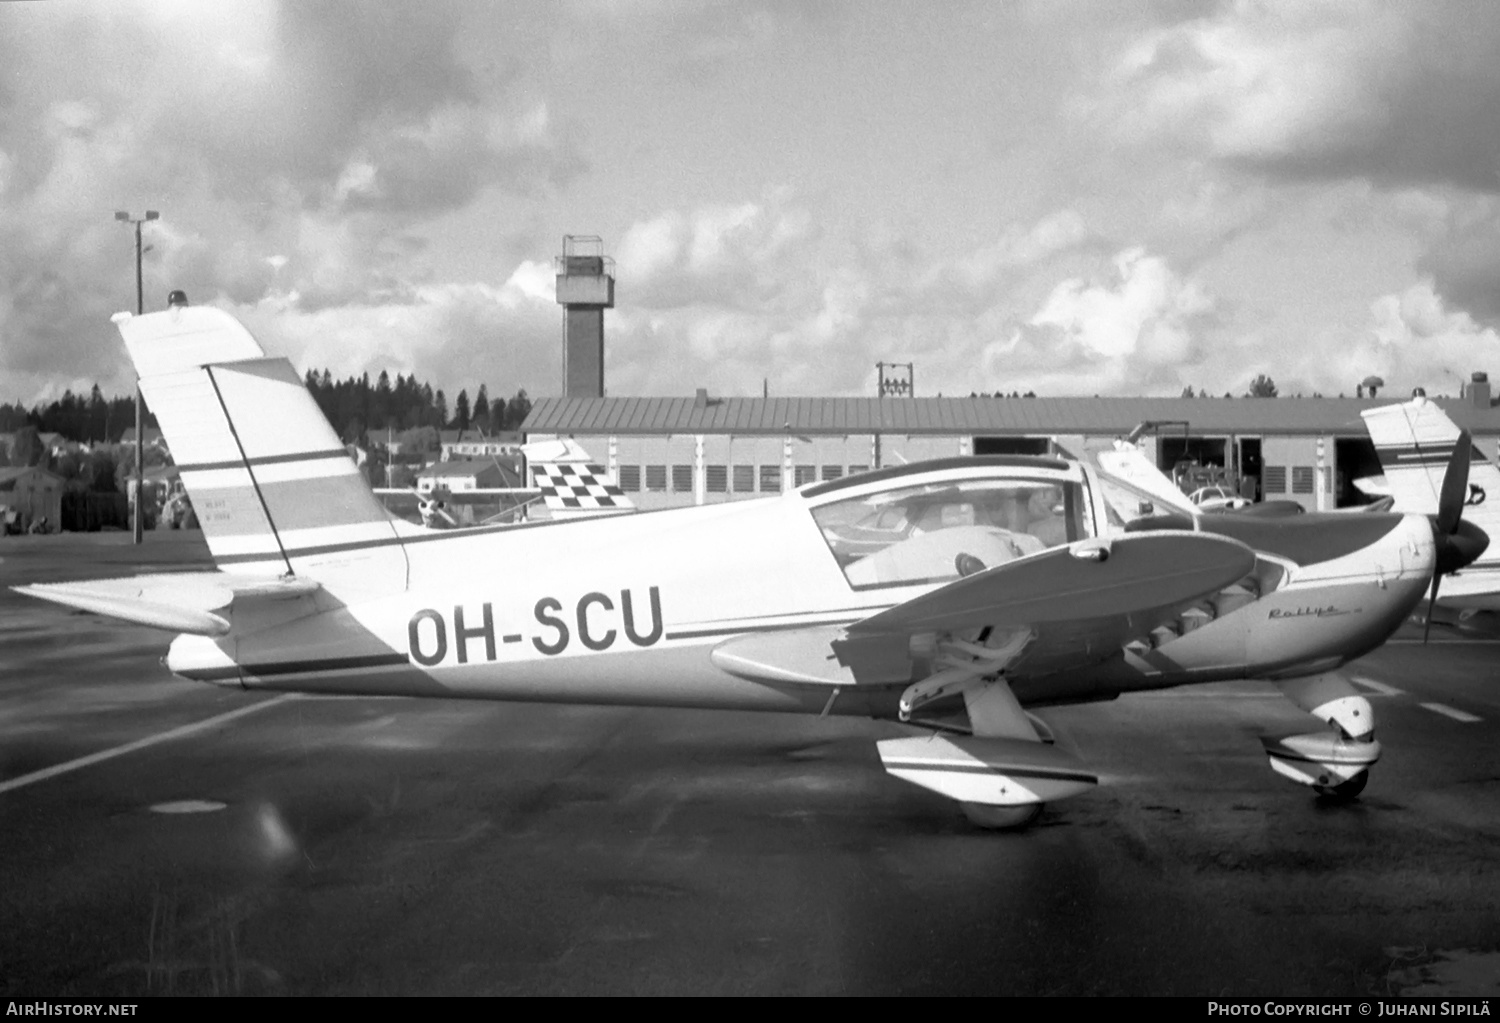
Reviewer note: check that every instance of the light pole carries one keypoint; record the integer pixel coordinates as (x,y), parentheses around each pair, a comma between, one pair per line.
(140,421)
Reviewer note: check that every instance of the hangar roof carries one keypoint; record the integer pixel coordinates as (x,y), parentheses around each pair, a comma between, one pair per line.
(997,416)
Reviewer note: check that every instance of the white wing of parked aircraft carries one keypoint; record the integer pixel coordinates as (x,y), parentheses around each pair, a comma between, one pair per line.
(949,595)
(1414,441)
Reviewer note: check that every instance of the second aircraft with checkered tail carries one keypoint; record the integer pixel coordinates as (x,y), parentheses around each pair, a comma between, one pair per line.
(948,600)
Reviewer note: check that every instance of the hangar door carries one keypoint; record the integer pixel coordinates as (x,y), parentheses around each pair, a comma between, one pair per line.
(1289,471)
(1011,446)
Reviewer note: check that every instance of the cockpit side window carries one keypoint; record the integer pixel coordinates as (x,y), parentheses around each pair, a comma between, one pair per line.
(934,532)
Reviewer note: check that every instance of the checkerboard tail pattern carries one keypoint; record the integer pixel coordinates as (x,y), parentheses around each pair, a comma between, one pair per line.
(578,487)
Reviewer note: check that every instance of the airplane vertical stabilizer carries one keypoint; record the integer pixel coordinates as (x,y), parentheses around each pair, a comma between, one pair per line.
(572,484)
(274,489)
(1414,441)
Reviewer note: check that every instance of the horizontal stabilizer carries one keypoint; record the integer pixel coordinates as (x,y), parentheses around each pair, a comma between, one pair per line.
(995,772)
(176,602)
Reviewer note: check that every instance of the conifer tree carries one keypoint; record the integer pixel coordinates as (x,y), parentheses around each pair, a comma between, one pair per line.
(481,414)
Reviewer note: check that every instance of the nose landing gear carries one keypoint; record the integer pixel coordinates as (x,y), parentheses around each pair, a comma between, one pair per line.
(1336,762)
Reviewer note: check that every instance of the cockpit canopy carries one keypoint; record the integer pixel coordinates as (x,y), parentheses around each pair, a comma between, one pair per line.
(923,532)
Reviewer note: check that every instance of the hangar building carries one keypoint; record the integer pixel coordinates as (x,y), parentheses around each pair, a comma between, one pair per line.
(674,451)
(667,452)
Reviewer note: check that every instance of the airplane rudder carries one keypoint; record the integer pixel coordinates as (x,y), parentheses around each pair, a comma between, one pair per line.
(262,466)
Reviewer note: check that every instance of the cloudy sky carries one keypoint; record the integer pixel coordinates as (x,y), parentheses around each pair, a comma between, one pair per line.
(1075,198)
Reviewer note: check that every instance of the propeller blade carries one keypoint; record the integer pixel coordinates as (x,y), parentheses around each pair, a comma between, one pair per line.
(1455,485)
(1437,577)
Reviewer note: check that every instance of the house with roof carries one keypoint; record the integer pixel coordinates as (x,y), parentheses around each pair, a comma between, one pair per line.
(153,438)
(463,475)
(28,494)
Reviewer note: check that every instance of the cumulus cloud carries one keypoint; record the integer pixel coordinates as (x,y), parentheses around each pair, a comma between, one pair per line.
(1411,339)
(1463,258)
(325,135)
(720,296)
(719,254)
(452,335)
(1418,338)
(1400,93)
(1142,325)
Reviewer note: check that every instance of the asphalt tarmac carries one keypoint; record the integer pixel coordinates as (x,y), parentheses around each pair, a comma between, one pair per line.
(243,843)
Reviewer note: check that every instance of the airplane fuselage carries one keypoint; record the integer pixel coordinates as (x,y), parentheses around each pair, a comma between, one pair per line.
(626,609)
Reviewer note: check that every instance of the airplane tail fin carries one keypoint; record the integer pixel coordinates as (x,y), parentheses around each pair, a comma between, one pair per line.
(1414,441)
(275,491)
(572,484)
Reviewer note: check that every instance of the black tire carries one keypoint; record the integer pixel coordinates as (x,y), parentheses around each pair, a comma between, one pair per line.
(1345,790)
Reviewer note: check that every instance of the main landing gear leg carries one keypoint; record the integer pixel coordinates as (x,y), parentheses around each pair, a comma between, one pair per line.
(1335,762)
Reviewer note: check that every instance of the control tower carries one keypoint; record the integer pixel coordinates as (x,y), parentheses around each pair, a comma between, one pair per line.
(585,288)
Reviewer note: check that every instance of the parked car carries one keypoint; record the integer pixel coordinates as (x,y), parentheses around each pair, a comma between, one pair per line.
(1217,498)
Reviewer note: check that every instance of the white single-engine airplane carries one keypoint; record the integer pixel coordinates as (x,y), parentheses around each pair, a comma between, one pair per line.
(949,594)
(1415,442)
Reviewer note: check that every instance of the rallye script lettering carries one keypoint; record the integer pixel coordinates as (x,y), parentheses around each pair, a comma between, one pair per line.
(593,621)
(1309,612)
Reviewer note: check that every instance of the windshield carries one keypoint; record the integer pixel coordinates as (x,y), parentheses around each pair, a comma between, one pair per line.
(933,532)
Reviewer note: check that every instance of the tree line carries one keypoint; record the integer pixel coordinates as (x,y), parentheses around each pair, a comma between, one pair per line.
(354,407)
(90,418)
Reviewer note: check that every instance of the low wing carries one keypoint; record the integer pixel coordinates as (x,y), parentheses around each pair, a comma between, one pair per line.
(176,602)
(1063,608)
(1077,604)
